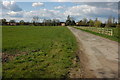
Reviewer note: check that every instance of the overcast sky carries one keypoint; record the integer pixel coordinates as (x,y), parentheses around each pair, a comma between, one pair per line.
(59,9)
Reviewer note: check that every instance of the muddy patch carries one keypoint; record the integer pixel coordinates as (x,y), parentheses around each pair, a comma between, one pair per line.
(7,57)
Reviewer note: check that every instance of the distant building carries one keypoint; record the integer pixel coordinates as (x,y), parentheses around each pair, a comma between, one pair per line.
(62,23)
(11,24)
(77,23)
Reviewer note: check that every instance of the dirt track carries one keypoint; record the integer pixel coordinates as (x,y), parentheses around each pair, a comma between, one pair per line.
(98,56)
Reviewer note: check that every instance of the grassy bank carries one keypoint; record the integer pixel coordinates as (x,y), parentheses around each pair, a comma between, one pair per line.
(115,37)
(38,51)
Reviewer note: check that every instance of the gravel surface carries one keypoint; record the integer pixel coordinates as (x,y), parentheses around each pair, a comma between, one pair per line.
(99,55)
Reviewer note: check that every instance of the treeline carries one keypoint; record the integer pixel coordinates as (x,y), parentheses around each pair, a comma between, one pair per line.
(92,23)
(97,23)
(69,22)
(45,22)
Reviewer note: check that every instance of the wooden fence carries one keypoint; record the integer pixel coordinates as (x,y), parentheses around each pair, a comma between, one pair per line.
(105,31)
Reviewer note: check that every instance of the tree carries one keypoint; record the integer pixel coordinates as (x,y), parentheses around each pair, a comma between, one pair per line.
(85,21)
(91,23)
(44,22)
(110,21)
(55,22)
(0,21)
(35,20)
(12,21)
(47,22)
(22,22)
(97,23)
(70,21)
(113,20)
(73,23)
(3,21)
(96,19)
(80,23)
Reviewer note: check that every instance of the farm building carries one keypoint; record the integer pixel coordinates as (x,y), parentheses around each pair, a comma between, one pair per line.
(62,23)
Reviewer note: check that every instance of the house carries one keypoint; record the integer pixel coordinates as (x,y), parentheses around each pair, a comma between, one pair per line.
(77,23)
(62,23)
(11,24)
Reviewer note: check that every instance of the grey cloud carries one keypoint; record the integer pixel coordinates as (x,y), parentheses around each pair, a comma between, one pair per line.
(15,8)
(112,5)
(10,5)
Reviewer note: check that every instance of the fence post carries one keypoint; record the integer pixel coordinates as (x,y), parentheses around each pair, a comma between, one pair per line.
(111,32)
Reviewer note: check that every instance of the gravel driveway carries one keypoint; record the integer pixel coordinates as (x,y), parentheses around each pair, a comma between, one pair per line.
(99,55)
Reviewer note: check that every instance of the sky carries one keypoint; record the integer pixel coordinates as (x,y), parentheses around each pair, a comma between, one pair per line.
(58,9)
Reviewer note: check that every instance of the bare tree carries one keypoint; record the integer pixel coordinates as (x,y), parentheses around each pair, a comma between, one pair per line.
(109,22)
(35,20)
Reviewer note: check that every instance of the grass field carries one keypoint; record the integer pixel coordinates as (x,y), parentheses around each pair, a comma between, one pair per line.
(38,51)
(115,37)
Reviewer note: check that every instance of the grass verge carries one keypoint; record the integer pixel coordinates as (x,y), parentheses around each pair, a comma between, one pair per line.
(114,38)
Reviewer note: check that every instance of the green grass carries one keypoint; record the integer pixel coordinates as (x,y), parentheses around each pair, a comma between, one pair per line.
(49,49)
(115,37)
